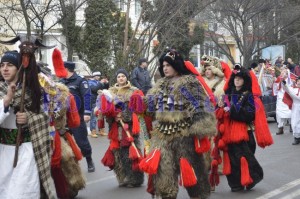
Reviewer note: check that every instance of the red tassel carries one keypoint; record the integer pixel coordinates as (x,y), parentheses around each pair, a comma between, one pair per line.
(255,85)
(58,64)
(202,145)
(108,159)
(239,132)
(262,131)
(73,118)
(114,144)
(226,70)
(187,173)
(151,162)
(226,163)
(209,92)
(135,124)
(113,133)
(56,156)
(245,173)
(134,153)
(74,146)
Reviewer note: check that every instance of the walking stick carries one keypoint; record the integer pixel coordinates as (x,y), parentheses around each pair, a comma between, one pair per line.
(18,143)
(130,137)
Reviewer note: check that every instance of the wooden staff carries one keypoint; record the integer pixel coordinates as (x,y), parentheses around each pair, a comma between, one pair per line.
(129,136)
(19,135)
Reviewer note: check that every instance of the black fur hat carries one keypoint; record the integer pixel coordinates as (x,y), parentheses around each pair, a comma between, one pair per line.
(239,71)
(175,60)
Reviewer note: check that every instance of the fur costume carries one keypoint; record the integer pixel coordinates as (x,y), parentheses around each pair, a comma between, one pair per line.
(180,109)
(66,171)
(123,139)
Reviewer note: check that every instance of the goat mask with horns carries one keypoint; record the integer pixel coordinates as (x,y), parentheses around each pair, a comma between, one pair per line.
(28,47)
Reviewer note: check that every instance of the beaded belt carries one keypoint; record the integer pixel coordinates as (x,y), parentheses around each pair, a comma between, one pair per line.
(9,136)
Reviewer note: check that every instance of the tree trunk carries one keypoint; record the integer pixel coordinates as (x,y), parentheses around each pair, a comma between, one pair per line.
(126,31)
(27,21)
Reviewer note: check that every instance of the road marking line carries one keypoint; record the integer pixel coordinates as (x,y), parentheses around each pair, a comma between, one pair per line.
(294,194)
(280,190)
(100,180)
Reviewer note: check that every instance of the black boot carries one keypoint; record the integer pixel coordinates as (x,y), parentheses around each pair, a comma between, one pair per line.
(280,131)
(291,130)
(296,141)
(90,163)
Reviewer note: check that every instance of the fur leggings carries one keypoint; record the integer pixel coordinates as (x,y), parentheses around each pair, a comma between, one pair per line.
(166,180)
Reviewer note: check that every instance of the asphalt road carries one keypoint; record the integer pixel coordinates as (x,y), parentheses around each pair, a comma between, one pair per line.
(281,164)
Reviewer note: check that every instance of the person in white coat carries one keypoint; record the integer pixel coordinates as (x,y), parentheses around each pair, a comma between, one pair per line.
(294,93)
(283,113)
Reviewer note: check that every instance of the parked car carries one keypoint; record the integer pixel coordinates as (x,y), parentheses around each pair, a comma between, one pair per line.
(268,99)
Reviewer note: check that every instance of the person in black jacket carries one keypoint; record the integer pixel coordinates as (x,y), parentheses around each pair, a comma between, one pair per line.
(80,89)
(244,171)
(140,76)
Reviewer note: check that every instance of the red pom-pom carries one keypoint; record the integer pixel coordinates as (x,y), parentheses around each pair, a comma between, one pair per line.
(214,163)
(125,127)
(221,144)
(130,139)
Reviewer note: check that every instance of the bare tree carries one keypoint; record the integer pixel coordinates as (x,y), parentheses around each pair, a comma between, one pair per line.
(169,25)
(253,24)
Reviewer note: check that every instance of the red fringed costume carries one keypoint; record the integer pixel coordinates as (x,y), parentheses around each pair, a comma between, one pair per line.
(243,113)
(123,107)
